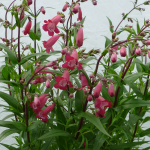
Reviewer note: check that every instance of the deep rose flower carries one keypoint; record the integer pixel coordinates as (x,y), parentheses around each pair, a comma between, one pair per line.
(65,7)
(72,61)
(50,25)
(114,57)
(43,10)
(79,15)
(27,28)
(123,51)
(43,113)
(75,9)
(79,38)
(100,103)
(63,81)
(97,90)
(29,2)
(48,44)
(42,98)
(149,54)
(138,51)
(111,90)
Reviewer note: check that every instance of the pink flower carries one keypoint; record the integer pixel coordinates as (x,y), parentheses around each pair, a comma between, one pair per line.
(100,103)
(138,51)
(50,25)
(79,15)
(63,81)
(43,113)
(111,90)
(149,54)
(42,99)
(36,101)
(97,90)
(29,2)
(79,38)
(27,28)
(84,81)
(147,42)
(22,15)
(48,44)
(65,7)
(123,51)
(72,61)
(43,10)
(48,84)
(114,57)
(75,9)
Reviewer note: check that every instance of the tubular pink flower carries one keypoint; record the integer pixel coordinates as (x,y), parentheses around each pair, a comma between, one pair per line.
(43,10)
(36,101)
(63,81)
(51,64)
(43,113)
(123,51)
(65,7)
(48,44)
(27,28)
(97,90)
(79,38)
(111,90)
(22,15)
(72,61)
(100,103)
(75,9)
(114,57)
(138,51)
(51,25)
(84,81)
(48,84)
(29,2)
(79,15)
(44,70)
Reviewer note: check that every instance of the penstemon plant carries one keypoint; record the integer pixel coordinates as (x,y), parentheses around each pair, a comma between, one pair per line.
(54,103)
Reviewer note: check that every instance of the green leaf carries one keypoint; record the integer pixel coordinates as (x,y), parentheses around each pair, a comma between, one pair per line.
(10,147)
(126,145)
(138,27)
(11,83)
(144,133)
(110,24)
(108,41)
(47,144)
(132,77)
(6,133)
(133,119)
(95,121)
(10,100)
(82,21)
(79,97)
(23,21)
(54,133)
(34,125)
(6,72)
(10,53)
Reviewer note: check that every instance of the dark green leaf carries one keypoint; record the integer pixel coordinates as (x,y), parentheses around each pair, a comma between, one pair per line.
(110,24)
(79,97)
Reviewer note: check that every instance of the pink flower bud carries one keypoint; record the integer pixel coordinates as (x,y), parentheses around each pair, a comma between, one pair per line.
(65,7)
(34,82)
(147,42)
(75,9)
(149,54)
(90,98)
(27,28)
(97,90)
(84,144)
(48,84)
(55,67)
(71,95)
(36,101)
(111,90)
(123,51)
(94,2)
(49,77)
(91,76)
(43,10)
(79,15)
(51,64)
(113,35)
(4,39)
(64,51)
(26,47)
(13,40)
(29,2)
(138,51)
(79,37)
(114,57)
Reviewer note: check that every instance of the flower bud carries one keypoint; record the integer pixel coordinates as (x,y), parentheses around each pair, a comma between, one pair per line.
(147,42)
(113,35)
(65,7)
(34,82)
(94,2)
(71,95)
(55,67)
(91,76)
(29,2)
(149,54)
(114,57)
(48,84)
(123,51)
(43,10)
(111,90)
(138,51)
(51,64)
(90,98)
(97,90)
(64,51)
(84,144)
